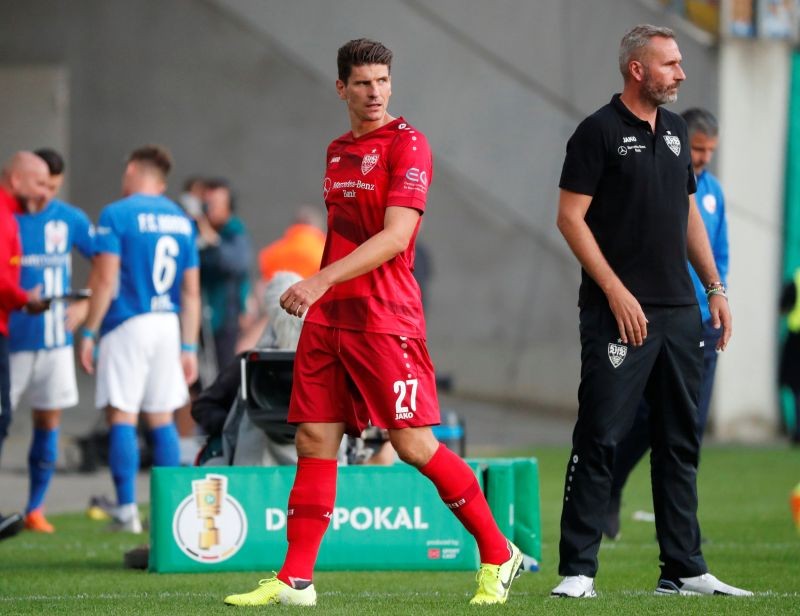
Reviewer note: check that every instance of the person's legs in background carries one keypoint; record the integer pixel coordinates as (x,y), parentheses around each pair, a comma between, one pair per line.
(11,524)
(42,457)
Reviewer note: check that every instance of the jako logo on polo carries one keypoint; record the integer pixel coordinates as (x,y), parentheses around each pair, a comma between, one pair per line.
(674,144)
(617,353)
(360,518)
(209,525)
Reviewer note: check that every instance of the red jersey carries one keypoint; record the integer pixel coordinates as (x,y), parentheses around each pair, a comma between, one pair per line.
(12,296)
(390,166)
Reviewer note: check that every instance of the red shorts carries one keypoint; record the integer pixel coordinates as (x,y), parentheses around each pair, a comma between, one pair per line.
(362,378)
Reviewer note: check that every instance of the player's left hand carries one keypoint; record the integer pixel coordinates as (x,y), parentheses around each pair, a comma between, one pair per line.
(86,354)
(76,314)
(189,365)
(298,298)
(721,317)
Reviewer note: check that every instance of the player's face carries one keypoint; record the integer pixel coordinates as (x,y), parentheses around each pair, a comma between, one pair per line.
(367,92)
(54,183)
(703,147)
(662,71)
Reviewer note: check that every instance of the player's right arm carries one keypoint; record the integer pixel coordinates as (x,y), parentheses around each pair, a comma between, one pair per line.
(102,279)
(399,225)
(572,209)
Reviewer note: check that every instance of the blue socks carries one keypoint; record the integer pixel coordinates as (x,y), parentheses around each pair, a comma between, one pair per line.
(123,456)
(41,465)
(166,446)
(123,460)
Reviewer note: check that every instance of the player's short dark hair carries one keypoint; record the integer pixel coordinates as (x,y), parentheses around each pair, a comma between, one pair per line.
(360,52)
(54,160)
(701,120)
(154,156)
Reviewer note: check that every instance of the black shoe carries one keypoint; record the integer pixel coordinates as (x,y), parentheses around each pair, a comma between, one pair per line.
(10,525)
(137,558)
(611,521)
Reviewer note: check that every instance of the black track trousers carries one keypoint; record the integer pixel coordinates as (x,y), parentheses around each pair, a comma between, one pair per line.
(666,369)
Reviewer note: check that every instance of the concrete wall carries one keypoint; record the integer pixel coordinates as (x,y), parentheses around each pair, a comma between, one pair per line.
(753,117)
(245,88)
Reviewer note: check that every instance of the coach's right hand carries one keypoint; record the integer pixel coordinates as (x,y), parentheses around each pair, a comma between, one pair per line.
(631,321)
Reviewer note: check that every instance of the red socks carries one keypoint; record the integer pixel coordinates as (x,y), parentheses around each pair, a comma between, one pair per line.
(314,492)
(309,513)
(460,491)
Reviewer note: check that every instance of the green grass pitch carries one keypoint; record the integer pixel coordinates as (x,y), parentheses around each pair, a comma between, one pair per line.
(744,513)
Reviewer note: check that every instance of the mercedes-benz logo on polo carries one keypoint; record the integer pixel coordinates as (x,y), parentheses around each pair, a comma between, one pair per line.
(209,525)
(326,188)
(622,150)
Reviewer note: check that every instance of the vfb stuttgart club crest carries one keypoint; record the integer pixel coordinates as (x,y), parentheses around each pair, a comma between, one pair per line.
(674,144)
(209,525)
(369,161)
(617,353)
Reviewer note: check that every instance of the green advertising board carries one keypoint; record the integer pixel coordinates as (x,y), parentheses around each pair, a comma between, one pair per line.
(385,518)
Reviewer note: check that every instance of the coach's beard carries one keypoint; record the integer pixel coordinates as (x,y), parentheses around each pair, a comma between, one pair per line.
(660,96)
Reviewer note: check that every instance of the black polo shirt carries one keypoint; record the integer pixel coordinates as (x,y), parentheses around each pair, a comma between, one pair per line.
(640,185)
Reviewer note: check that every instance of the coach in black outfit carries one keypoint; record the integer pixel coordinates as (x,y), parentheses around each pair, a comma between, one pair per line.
(627,211)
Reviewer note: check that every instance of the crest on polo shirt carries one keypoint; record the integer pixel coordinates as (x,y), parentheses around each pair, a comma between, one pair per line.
(368,162)
(617,354)
(673,143)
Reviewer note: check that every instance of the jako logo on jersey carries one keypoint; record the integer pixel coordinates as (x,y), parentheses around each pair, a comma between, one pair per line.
(361,518)
(335,159)
(368,162)
(616,353)
(674,144)
(415,175)
(209,525)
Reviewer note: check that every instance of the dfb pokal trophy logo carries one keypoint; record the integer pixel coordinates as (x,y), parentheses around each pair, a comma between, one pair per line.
(209,525)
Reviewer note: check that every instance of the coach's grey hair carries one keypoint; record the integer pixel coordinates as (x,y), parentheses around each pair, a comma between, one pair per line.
(701,121)
(635,40)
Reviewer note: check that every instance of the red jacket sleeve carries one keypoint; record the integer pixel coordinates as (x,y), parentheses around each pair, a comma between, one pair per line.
(12,296)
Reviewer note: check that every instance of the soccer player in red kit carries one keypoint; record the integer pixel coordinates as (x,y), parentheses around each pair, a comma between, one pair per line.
(362,357)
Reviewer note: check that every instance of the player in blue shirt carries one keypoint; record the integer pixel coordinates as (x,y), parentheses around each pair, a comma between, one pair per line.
(145,273)
(42,360)
(703,140)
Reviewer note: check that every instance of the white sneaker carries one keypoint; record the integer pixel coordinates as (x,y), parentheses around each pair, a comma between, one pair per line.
(705,584)
(126,520)
(575,587)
